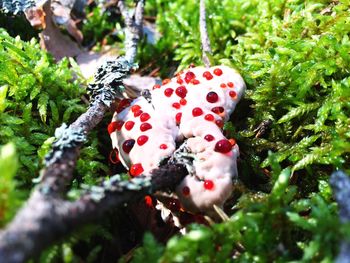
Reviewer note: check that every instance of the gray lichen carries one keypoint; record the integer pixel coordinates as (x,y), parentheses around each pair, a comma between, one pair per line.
(108,84)
(117,184)
(66,138)
(16,6)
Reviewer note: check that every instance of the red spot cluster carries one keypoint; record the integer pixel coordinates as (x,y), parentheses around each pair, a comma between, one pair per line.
(189,76)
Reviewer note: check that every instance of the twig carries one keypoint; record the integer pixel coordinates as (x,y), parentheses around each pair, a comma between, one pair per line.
(134,22)
(46,219)
(206,49)
(340,183)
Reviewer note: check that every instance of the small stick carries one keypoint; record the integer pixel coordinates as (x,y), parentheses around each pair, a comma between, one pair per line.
(206,49)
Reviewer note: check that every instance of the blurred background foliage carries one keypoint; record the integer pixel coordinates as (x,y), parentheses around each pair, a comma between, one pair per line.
(294,57)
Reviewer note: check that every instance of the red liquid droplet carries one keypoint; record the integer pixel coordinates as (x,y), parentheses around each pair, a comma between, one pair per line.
(136,169)
(112,127)
(127,145)
(219,123)
(223,146)
(232,94)
(223,85)
(129,125)
(142,140)
(195,81)
(183,102)
(176,105)
(145,126)
(178,117)
(189,76)
(138,113)
(168,92)
(181,91)
(207,75)
(144,117)
(163,146)
(212,97)
(157,86)
(197,112)
(218,72)
(135,108)
(218,110)
(208,184)
(209,117)
(209,137)
(230,84)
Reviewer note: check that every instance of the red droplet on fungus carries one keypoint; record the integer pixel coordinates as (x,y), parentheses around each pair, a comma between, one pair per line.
(223,85)
(178,117)
(230,84)
(208,184)
(112,127)
(218,110)
(212,97)
(176,105)
(163,146)
(219,123)
(218,72)
(135,108)
(129,125)
(233,94)
(128,145)
(195,81)
(144,117)
(207,75)
(223,146)
(138,113)
(209,137)
(168,92)
(197,112)
(136,169)
(183,101)
(209,117)
(157,86)
(189,76)
(181,91)
(141,140)
(145,126)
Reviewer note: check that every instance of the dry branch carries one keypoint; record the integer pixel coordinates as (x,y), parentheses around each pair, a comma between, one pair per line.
(206,49)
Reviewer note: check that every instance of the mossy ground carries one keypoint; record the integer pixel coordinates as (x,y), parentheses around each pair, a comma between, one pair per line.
(294,57)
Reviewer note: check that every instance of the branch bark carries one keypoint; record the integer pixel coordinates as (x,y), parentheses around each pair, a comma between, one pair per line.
(206,49)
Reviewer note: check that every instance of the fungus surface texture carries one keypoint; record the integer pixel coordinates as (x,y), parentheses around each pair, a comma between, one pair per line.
(160,125)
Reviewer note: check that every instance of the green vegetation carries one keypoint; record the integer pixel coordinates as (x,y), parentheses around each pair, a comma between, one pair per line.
(294,57)
(37,96)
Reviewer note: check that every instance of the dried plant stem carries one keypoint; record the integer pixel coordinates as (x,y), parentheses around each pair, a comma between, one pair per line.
(206,49)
